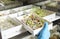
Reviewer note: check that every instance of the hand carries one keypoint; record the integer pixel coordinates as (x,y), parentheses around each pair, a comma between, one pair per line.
(44,33)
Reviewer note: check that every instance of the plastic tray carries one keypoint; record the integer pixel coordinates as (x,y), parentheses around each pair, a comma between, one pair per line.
(34,32)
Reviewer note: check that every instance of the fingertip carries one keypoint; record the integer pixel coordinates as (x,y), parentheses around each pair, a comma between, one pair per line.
(46,24)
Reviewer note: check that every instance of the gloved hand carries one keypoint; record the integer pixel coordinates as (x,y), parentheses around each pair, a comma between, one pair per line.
(44,33)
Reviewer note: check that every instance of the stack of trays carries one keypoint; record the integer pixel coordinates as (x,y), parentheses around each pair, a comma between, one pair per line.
(32,18)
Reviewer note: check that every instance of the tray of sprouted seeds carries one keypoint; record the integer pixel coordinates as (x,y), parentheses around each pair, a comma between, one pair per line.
(41,12)
(7,22)
(33,23)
